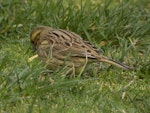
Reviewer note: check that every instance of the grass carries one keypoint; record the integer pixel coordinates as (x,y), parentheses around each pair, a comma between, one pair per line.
(119,28)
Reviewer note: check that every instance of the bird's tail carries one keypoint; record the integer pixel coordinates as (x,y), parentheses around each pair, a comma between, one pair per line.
(116,63)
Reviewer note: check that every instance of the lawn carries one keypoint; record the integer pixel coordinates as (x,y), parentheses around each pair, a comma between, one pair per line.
(119,28)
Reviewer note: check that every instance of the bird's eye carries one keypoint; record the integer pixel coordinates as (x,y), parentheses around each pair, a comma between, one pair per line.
(32,42)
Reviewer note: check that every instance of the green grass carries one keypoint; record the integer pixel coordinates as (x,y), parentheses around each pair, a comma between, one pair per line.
(120,29)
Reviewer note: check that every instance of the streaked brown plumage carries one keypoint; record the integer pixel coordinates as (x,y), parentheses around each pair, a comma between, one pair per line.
(57,47)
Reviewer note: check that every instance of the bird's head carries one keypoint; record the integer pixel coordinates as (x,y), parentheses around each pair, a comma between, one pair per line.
(35,34)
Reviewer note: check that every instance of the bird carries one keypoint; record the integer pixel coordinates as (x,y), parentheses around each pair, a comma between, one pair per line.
(58,47)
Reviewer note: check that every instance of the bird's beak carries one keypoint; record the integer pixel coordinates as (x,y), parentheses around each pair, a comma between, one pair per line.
(33,49)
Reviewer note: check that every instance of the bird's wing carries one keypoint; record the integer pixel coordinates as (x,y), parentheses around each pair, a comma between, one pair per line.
(65,42)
